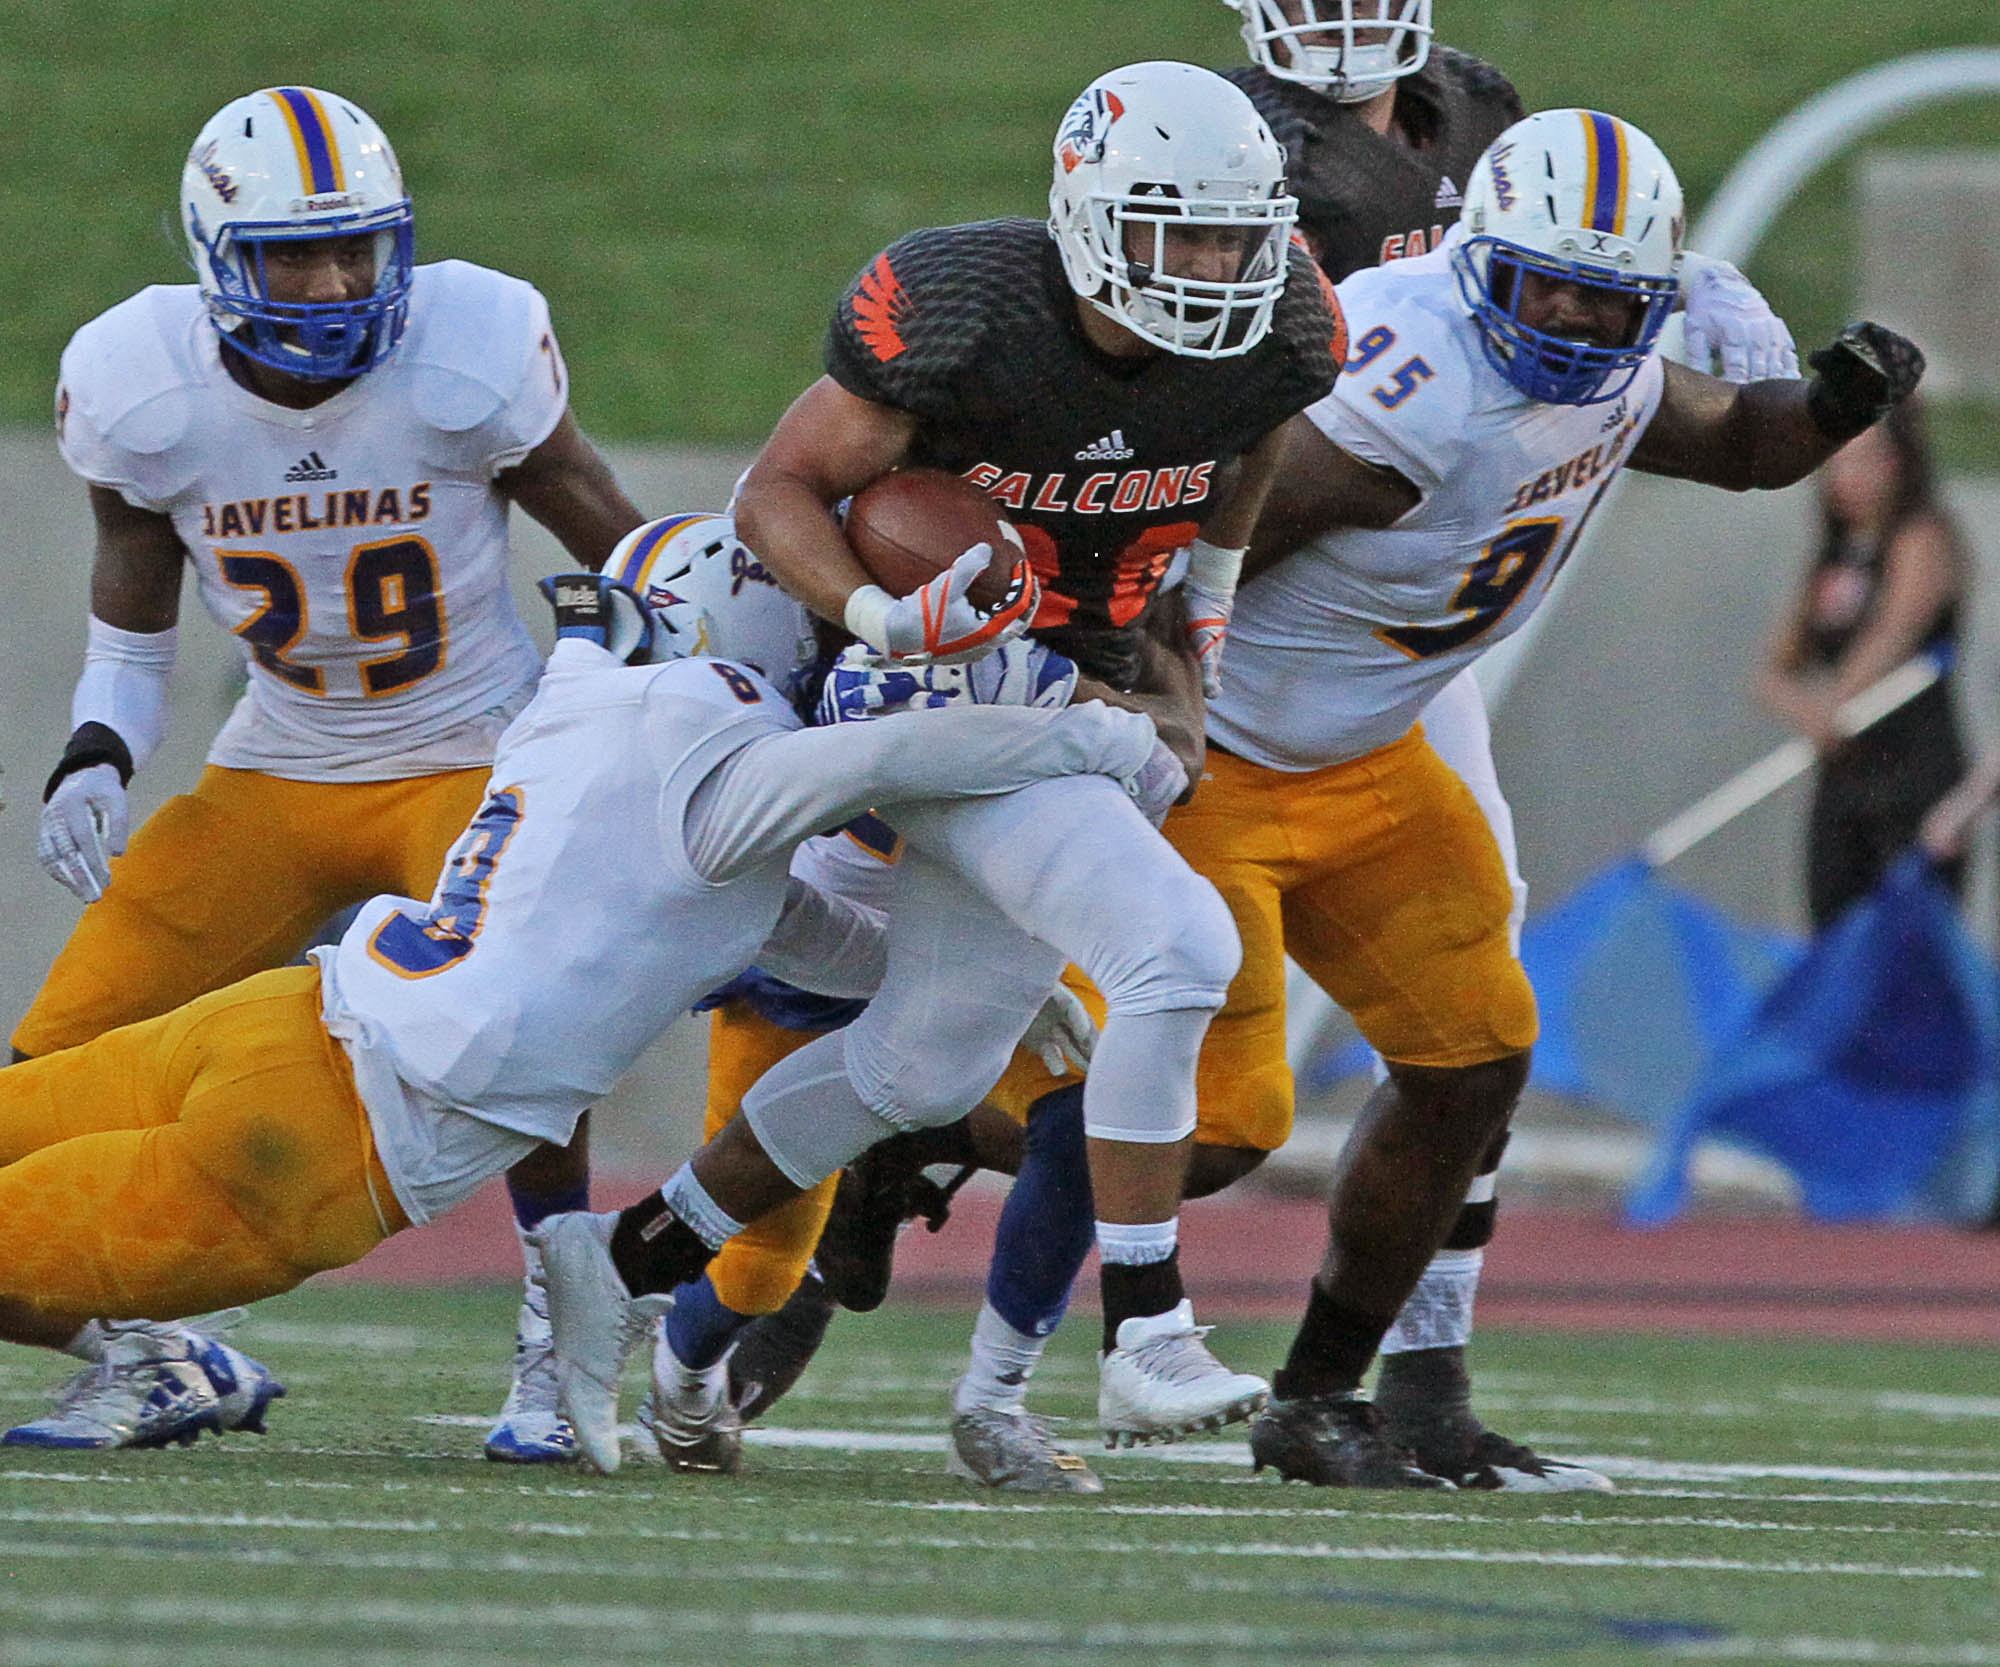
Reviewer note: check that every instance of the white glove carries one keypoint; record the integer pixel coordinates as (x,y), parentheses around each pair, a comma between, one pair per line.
(863,684)
(938,621)
(1727,317)
(1210,594)
(1159,782)
(1062,1034)
(83,827)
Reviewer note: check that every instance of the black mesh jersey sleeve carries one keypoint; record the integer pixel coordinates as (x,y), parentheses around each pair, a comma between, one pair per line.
(925,310)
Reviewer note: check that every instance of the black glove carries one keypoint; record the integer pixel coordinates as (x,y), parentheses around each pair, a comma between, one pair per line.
(1861,377)
(602,611)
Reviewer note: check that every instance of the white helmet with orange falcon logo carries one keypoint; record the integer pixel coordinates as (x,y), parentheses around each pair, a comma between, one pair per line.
(1153,149)
(281,165)
(1348,49)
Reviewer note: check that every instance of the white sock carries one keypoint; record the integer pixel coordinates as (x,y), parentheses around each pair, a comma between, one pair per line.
(690,1201)
(1439,1312)
(1003,1360)
(1134,1244)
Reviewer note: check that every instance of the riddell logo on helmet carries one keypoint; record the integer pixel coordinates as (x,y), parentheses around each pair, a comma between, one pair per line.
(223,186)
(1083,130)
(326,200)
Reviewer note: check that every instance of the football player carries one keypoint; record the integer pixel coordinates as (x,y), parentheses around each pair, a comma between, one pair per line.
(1495,388)
(1116,378)
(630,854)
(331,436)
(1381,126)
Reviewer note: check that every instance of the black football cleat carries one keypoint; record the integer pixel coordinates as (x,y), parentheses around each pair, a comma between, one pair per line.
(1333,1441)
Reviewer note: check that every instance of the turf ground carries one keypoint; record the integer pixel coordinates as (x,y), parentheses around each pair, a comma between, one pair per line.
(1805,1501)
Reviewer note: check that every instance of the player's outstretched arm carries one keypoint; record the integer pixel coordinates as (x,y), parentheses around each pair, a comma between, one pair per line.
(781,788)
(1762,435)
(120,706)
(1317,489)
(565,484)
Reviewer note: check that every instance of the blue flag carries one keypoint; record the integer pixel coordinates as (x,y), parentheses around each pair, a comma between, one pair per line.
(1862,1069)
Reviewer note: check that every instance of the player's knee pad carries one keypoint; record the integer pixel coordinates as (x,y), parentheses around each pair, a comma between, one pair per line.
(808,1117)
(915,1083)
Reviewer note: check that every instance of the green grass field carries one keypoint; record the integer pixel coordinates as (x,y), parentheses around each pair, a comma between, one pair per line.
(693,185)
(1778,1502)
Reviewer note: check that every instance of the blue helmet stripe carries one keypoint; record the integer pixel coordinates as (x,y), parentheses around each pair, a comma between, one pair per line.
(317,153)
(1607,170)
(642,552)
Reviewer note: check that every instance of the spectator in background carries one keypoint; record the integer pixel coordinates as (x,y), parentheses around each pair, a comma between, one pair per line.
(1888,581)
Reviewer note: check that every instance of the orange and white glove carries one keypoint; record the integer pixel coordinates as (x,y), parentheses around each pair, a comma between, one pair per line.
(1210,592)
(938,621)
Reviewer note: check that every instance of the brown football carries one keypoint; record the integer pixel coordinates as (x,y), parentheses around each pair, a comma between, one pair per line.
(912,524)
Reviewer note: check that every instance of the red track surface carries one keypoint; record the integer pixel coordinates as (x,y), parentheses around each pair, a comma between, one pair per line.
(1250,1254)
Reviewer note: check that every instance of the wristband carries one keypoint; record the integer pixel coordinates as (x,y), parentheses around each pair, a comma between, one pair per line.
(1213,569)
(866,616)
(91,743)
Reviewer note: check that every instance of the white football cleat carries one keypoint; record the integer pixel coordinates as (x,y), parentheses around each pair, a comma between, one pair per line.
(148,1390)
(595,1323)
(531,1428)
(1161,1382)
(690,1416)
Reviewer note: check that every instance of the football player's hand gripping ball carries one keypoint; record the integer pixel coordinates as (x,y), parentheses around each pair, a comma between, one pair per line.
(938,621)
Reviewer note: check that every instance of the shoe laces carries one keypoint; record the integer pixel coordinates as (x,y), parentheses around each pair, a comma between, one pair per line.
(1178,1356)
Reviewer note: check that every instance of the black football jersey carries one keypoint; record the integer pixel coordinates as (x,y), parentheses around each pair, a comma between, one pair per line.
(1367,197)
(1106,465)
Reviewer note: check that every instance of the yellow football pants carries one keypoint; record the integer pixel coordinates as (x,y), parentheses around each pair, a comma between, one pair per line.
(1382,880)
(210,1156)
(235,878)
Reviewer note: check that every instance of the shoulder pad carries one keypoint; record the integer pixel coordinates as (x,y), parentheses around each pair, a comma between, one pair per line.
(472,336)
(128,371)
(1478,79)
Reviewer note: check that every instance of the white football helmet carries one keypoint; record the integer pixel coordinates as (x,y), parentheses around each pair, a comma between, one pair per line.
(1313,42)
(709,595)
(1149,149)
(285,164)
(1585,198)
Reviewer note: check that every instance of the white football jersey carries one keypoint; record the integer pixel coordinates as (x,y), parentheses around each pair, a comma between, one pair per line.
(569,928)
(358,550)
(1336,651)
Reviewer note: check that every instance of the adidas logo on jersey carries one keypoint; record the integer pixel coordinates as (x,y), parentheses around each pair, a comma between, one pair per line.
(311,467)
(1449,195)
(1109,449)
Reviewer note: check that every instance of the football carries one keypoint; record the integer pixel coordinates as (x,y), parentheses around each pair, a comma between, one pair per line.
(912,524)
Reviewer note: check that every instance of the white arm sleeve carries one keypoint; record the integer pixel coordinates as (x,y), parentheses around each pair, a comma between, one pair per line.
(124,685)
(825,944)
(780,788)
